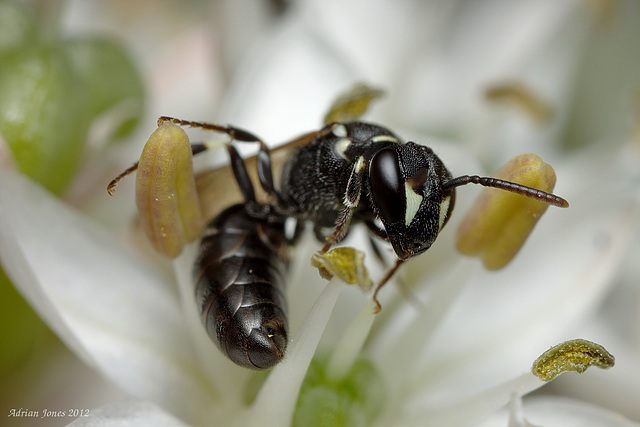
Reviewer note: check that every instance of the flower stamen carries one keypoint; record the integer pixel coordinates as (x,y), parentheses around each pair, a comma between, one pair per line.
(520,97)
(347,350)
(573,355)
(345,263)
(165,191)
(351,105)
(499,222)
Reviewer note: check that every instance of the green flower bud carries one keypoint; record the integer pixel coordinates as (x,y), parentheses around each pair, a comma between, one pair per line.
(110,79)
(354,400)
(18,28)
(43,114)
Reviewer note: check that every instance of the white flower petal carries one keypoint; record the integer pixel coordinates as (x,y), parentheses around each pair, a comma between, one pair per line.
(506,319)
(402,351)
(434,60)
(466,411)
(615,325)
(214,364)
(125,414)
(558,411)
(276,401)
(110,308)
(547,411)
(606,83)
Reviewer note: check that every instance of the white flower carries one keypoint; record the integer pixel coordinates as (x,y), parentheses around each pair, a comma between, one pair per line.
(456,353)
(440,367)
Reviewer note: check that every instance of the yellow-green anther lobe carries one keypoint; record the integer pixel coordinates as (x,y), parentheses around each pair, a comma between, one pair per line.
(523,98)
(165,191)
(574,355)
(350,106)
(346,263)
(499,222)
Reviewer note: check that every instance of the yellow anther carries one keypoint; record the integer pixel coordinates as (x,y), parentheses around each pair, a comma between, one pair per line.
(497,225)
(345,263)
(522,98)
(351,105)
(574,355)
(165,191)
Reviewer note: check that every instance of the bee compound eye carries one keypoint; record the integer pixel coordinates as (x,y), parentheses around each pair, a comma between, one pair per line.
(387,185)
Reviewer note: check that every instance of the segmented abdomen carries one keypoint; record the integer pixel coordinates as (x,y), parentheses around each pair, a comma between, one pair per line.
(239,287)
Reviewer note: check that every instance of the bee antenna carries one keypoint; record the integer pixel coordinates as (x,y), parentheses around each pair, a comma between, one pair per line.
(111,188)
(512,187)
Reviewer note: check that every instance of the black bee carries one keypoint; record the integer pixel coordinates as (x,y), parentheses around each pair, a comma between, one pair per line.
(362,172)
(239,280)
(347,172)
(239,285)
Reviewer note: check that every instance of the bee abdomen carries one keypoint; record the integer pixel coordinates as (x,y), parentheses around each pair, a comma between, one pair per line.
(239,285)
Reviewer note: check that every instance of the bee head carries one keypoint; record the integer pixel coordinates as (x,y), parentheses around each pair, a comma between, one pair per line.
(405,187)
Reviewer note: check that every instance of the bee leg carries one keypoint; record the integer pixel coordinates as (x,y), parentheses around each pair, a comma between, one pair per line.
(405,291)
(265,173)
(383,282)
(341,229)
(241,175)
(376,230)
(321,233)
(350,201)
(377,251)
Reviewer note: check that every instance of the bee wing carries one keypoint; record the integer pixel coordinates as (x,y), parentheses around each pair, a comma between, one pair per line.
(217,188)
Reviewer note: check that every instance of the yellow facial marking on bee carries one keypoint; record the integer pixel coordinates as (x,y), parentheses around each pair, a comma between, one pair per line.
(339,130)
(413,203)
(444,209)
(384,138)
(341,147)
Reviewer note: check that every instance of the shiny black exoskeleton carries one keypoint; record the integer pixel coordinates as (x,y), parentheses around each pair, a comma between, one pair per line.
(239,285)
(363,172)
(239,278)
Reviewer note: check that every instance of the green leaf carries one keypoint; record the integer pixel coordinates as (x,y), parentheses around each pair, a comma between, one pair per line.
(19,335)
(110,77)
(51,91)
(18,27)
(43,114)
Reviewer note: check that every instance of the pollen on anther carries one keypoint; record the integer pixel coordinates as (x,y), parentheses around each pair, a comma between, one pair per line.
(345,263)
(573,355)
